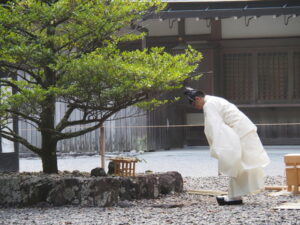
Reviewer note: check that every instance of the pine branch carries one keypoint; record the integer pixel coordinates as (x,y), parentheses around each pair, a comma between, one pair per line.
(12,136)
(25,116)
(22,68)
(19,30)
(81,132)
(62,124)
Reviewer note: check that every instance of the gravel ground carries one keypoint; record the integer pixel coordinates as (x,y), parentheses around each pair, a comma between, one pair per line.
(172,209)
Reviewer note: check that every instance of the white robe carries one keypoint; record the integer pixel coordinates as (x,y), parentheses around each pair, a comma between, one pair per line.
(234,142)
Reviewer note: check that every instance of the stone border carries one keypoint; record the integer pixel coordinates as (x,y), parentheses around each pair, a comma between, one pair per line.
(70,189)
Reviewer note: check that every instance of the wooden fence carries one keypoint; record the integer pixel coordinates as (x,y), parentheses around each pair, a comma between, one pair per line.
(124,132)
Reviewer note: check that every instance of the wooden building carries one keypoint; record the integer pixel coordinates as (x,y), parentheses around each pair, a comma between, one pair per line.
(251,55)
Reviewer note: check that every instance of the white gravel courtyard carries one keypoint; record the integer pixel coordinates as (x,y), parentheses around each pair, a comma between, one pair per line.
(199,171)
(190,161)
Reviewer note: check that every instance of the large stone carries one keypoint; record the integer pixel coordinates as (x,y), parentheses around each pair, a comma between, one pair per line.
(65,192)
(10,191)
(98,172)
(100,192)
(150,186)
(85,191)
(35,189)
(68,189)
(139,187)
(24,190)
(111,168)
(170,182)
(128,188)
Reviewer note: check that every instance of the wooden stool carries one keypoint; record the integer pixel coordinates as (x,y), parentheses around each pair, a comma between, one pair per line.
(124,166)
(292,162)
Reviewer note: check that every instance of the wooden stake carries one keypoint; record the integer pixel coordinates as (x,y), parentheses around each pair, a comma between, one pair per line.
(102,146)
(274,188)
(206,192)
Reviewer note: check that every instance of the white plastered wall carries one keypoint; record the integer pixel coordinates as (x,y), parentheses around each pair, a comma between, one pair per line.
(161,28)
(194,26)
(170,27)
(262,27)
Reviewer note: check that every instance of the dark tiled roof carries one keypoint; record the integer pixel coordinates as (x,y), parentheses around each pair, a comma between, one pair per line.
(225,9)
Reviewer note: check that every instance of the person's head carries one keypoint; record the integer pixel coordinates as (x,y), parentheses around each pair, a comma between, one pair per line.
(195,97)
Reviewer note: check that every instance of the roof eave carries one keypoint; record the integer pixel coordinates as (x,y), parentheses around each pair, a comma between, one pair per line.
(225,13)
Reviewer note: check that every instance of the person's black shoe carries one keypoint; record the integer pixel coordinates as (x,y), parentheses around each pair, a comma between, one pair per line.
(221,201)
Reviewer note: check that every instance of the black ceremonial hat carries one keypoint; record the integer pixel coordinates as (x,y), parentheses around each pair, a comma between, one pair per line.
(190,93)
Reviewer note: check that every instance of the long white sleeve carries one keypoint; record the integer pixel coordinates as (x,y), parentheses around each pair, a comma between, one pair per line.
(224,142)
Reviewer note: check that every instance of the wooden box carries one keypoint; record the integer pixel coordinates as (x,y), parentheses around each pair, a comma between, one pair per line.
(292,163)
(124,166)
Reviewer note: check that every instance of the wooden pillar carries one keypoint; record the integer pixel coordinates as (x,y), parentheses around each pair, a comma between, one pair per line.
(217,79)
(102,146)
(181,27)
(216,30)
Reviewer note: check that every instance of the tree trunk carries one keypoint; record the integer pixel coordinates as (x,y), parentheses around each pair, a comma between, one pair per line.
(49,158)
(49,140)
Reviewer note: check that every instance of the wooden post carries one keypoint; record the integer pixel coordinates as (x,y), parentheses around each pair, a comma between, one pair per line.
(102,146)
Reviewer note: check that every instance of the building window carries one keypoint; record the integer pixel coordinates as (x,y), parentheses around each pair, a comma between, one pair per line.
(296,75)
(272,72)
(238,80)
(261,76)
